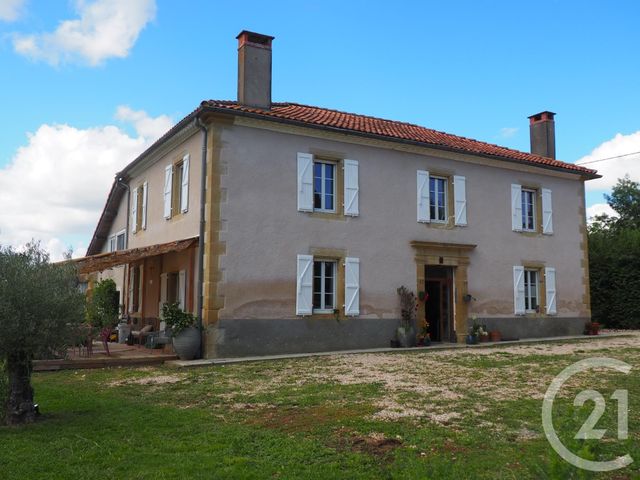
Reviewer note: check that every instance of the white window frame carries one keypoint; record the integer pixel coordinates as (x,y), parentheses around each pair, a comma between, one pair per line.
(113,241)
(433,198)
(323,308)
(525,209)
(529,288)
(122,232)
(323,193)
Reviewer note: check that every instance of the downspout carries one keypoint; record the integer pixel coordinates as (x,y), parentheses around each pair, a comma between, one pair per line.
(203,190)
(126,186)
(125,280)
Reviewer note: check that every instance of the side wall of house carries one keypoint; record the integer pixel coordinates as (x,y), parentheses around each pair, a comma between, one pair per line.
(262,232)
(158,229)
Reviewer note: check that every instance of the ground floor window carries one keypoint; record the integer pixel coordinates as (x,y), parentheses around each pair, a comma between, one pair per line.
(324,286)
(531,293)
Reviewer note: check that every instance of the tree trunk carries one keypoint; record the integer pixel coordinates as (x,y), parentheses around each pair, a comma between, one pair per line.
(20,408)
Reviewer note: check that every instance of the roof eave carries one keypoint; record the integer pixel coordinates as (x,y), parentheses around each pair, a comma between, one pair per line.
(227,111)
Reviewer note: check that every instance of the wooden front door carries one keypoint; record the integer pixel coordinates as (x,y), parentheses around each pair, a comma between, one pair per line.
(438,303)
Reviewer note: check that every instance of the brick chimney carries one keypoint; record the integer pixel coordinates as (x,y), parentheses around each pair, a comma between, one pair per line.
(542,129)
(254,69)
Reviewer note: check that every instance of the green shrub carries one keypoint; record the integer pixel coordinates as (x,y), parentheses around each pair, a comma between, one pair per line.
(176,318)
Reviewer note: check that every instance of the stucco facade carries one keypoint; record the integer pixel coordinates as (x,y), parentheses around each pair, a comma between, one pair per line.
(262,232)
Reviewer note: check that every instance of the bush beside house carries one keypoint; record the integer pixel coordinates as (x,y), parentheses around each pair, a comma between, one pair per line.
(614,259)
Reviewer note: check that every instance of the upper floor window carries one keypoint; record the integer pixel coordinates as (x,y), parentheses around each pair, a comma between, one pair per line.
(531,209)
(324,186)
(117,241)
(139,196)
(438,199)
(528,200)
(176,188)
(328,186)
(438,195)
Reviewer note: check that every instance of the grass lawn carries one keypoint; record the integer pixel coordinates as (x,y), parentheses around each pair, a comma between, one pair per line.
(450,414)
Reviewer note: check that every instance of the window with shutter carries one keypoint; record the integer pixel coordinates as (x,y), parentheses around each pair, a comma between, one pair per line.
(351,188)
(352,286)
(423,196)
(134,210)
(144,205)
(168,184)
(184,191)
(550,285)
(518,290)
(304,285)
(516,208)
(460,199)
(305,182)
(547,212)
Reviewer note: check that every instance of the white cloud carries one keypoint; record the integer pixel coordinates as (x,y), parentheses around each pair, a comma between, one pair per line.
(599,209)
(10,10)
(105,29)
(612,170)
(508,132)
(146,126)
(55,186)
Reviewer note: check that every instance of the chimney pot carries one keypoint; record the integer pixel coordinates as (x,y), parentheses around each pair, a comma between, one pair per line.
(542,131)
(254,69)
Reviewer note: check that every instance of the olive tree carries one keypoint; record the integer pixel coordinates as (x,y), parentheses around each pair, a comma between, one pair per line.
(40,307)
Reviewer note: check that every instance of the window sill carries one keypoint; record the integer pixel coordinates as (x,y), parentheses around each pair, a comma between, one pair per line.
(450,225)
(327,215)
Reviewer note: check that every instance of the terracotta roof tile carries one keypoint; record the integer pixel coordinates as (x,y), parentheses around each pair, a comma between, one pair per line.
(316,116)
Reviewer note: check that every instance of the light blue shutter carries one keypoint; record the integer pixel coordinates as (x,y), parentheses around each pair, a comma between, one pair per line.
(550,287)
(547,212)
(134,211)
(144,205)
(518,290)
(516,207)
(423,196)
(351,188)
(184,194)
(352,286)
(304,285)
(168,180)
(305,182)
(460,199)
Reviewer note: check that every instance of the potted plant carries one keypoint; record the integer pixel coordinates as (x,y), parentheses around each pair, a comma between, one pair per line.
(592,328)
(185,334)
(424,339)
(475,332)
(405,333)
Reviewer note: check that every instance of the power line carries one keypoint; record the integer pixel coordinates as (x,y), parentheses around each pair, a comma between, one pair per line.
(608,158)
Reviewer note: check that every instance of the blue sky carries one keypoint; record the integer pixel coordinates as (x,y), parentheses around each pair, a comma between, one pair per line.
(476,69)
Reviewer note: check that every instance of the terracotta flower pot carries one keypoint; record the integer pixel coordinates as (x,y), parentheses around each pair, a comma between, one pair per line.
(495,336)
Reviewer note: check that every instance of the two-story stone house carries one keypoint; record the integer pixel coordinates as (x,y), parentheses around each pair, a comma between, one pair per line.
(289,228)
